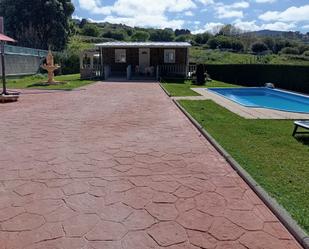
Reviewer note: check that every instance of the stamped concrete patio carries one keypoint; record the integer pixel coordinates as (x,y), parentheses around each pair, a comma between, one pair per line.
(118,166)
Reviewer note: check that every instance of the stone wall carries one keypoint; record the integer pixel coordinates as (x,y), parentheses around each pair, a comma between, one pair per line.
(21,64)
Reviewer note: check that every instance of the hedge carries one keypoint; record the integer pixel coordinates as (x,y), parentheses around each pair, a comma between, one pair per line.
(289,77)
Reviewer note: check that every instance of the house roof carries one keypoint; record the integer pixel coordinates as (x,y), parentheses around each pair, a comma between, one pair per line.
(144,45)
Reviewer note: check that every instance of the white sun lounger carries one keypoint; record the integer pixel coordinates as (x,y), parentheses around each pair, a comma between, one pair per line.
(301,124)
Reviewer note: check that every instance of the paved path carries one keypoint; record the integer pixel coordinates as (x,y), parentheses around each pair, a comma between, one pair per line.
(118,166)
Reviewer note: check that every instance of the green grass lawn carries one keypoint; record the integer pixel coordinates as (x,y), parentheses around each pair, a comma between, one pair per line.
(183,88)
(266,149)
(71,82)
(208,56)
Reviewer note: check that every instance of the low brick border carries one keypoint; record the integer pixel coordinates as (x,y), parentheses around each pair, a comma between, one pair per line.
(167,93)
(283,216)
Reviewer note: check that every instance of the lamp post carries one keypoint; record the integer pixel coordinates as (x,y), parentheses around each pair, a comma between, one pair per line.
(4,92)
(5,96)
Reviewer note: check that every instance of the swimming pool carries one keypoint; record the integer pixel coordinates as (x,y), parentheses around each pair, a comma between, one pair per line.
(262,97)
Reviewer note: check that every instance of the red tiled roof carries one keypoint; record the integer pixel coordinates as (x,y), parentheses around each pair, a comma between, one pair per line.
(6,38)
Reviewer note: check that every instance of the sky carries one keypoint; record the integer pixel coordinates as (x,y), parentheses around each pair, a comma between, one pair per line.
(199,15)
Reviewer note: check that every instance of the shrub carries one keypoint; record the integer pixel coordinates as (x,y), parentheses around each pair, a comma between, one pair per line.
(289,50)
(225,42)
(200,75)
(140,36)
(237,45)
(90,29)
(69,58)
(183,38)
(202,38)
(162,35)
(306,53)
(259,47)
(117,35)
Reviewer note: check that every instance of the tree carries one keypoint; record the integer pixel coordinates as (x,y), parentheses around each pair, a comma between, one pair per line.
(290,50)
(39,23)
(270,43)
(162,35)
(225,42)
(179,32)
(183,38)
(69,58)
(202,38)
(90,29)
(229,30)
(83,22)
(116,35)
(140,36)
(259,47)
(280,44)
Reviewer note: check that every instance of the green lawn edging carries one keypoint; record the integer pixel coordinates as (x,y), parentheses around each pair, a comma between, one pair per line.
(183,88)
(71,81)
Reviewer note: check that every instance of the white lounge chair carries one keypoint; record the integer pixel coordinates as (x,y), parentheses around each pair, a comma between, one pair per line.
(301,124)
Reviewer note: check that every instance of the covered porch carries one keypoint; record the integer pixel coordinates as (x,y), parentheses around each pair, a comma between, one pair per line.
(135,61)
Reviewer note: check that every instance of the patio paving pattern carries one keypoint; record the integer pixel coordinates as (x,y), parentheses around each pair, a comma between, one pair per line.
(118,166)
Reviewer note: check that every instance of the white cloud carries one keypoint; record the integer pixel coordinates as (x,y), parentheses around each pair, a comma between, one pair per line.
(239,5)
(234,10)
(189,13)
(94,6)
(146,21)
(252,26)
(306,27)
(265,1)
(246,25)
(212,27)
(281,26)
(133,12)
(292,14)
(206,2)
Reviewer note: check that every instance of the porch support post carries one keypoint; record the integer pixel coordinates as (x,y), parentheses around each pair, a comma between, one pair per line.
(81,60)
(102,73)
(187,63)
(91,60)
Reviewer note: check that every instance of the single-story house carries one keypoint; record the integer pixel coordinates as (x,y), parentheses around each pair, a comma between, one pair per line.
(136,60)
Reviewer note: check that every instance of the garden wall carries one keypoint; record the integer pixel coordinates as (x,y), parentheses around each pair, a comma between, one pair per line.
(21,64)
(294,78)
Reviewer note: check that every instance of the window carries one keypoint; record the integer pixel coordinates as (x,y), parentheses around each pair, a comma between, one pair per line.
(120,56)
(169,56)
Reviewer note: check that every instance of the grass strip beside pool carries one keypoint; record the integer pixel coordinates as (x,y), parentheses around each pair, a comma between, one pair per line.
(183,88)
(71,81)
(266,150)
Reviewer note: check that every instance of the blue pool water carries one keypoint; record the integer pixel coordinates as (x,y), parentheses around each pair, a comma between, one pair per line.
(266,98)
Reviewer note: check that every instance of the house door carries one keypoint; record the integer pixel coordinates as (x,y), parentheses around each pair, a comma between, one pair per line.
(144,59)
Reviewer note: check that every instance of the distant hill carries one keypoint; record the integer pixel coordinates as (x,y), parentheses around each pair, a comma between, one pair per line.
(285,34)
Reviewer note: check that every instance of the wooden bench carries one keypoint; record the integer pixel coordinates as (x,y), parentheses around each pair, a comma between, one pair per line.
(301,124)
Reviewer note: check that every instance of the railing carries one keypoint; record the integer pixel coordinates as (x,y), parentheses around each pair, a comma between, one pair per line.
(8,49)
(88,72)
(192,68)
(172,70)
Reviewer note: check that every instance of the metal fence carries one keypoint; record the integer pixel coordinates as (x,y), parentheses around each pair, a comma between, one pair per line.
(23,61)
(8,49)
